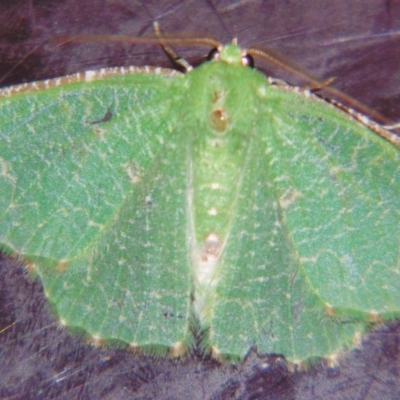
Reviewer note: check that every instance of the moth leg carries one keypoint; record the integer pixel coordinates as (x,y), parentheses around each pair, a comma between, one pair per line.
(179,62)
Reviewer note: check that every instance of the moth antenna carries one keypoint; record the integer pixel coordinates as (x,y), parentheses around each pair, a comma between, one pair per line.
(149,40)
(315,82)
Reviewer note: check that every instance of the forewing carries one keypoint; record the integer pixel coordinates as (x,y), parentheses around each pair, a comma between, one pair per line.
(315,233)
(90,185)
(339,189)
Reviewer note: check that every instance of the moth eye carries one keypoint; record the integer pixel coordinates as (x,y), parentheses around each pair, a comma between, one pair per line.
(213,54)
(248,61)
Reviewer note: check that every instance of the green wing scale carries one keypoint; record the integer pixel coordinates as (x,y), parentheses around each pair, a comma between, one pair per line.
(87,202)
(149,202)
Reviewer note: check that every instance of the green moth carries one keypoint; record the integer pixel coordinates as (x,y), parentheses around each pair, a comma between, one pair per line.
(161,208)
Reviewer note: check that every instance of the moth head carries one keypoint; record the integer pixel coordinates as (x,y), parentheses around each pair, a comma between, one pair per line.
(231,54)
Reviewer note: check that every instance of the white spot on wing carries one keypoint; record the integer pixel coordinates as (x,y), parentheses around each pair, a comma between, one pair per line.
(212,211)
(133,172)
(208,257)
(289,197)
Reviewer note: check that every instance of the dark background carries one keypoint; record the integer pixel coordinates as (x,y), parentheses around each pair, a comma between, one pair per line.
(357,41)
